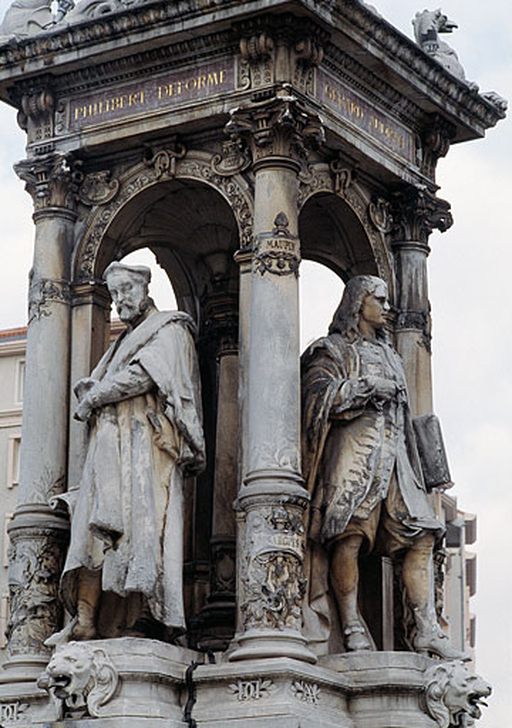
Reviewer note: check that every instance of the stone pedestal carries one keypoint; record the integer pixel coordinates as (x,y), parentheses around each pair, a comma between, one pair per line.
(155,684)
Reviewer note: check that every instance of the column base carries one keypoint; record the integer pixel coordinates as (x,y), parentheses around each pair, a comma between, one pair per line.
(23,668)
(258,643)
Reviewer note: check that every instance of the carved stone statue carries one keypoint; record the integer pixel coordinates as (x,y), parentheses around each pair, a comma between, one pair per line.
(123,572)
(363,471)
(428,25)
(453,695)
(80,678)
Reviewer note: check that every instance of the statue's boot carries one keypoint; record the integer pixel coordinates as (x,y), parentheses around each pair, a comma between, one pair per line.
(430,638)
(89,592)
(356,638)
(85,628)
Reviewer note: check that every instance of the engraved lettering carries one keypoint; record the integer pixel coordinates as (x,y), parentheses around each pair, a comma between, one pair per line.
(177,87)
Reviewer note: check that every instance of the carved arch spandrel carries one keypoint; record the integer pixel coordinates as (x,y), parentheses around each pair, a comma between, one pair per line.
(194,166)
(322,178)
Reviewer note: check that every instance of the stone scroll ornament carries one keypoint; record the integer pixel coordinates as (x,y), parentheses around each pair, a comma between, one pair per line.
(81,679)
(278,252)
(454,695)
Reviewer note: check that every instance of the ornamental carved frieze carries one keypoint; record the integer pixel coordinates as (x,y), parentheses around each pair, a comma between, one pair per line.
(35,564)
(279,126)
(416,213)
(277,252)
(43,293)
(52,180)
(272,582)
(159,166)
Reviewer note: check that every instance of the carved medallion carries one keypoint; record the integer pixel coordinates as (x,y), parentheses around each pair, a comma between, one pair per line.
(278,252)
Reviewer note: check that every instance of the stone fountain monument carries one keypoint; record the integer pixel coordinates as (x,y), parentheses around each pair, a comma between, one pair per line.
(208,534)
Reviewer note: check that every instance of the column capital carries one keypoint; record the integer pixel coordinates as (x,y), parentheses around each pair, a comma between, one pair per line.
(415,214)
(278,128)
(52,180)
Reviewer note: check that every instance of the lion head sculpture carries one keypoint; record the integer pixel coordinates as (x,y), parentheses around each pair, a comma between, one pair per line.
(81,677)
(453,695)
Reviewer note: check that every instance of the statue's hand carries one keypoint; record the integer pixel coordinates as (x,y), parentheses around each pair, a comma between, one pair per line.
(83,411)
(384,389)
(83,386)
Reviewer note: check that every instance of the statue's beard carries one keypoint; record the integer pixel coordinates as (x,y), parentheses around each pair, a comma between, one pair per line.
(130,312)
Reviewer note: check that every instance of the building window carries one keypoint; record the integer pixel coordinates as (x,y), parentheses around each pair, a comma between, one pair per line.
(13,460)
(20,380)
(6,540)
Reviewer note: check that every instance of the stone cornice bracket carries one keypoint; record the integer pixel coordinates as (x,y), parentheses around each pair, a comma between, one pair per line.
(279,49)
(52,180)
(36,106)
(436,138)
(416,213)
(277,128)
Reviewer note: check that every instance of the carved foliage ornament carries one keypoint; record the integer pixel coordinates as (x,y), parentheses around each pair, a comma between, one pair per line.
(278,252)
(416,213)
(81,677)
(306,692)
(272,580)
(35,562)
(52,180)
(453,695)
(279,126)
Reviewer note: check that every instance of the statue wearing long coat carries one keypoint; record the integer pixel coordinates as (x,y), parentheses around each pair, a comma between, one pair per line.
(145,437)
(358,451)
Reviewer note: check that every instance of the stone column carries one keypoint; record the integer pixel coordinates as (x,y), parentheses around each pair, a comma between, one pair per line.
(415,215)
(218,616)
(38,533)
(272,499)
(90,318)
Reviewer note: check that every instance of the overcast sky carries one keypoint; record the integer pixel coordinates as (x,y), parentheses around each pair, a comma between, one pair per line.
(470,270)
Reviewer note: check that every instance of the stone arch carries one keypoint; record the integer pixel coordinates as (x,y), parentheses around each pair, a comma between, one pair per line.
(142,185)
(336,226)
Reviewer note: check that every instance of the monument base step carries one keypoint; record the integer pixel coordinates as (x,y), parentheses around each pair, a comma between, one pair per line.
(156,684)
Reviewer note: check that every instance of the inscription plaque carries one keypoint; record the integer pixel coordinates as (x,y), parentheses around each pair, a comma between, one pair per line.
(362,115)
(160,92)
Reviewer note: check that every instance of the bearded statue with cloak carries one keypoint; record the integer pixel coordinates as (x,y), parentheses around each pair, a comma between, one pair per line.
(142,402)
